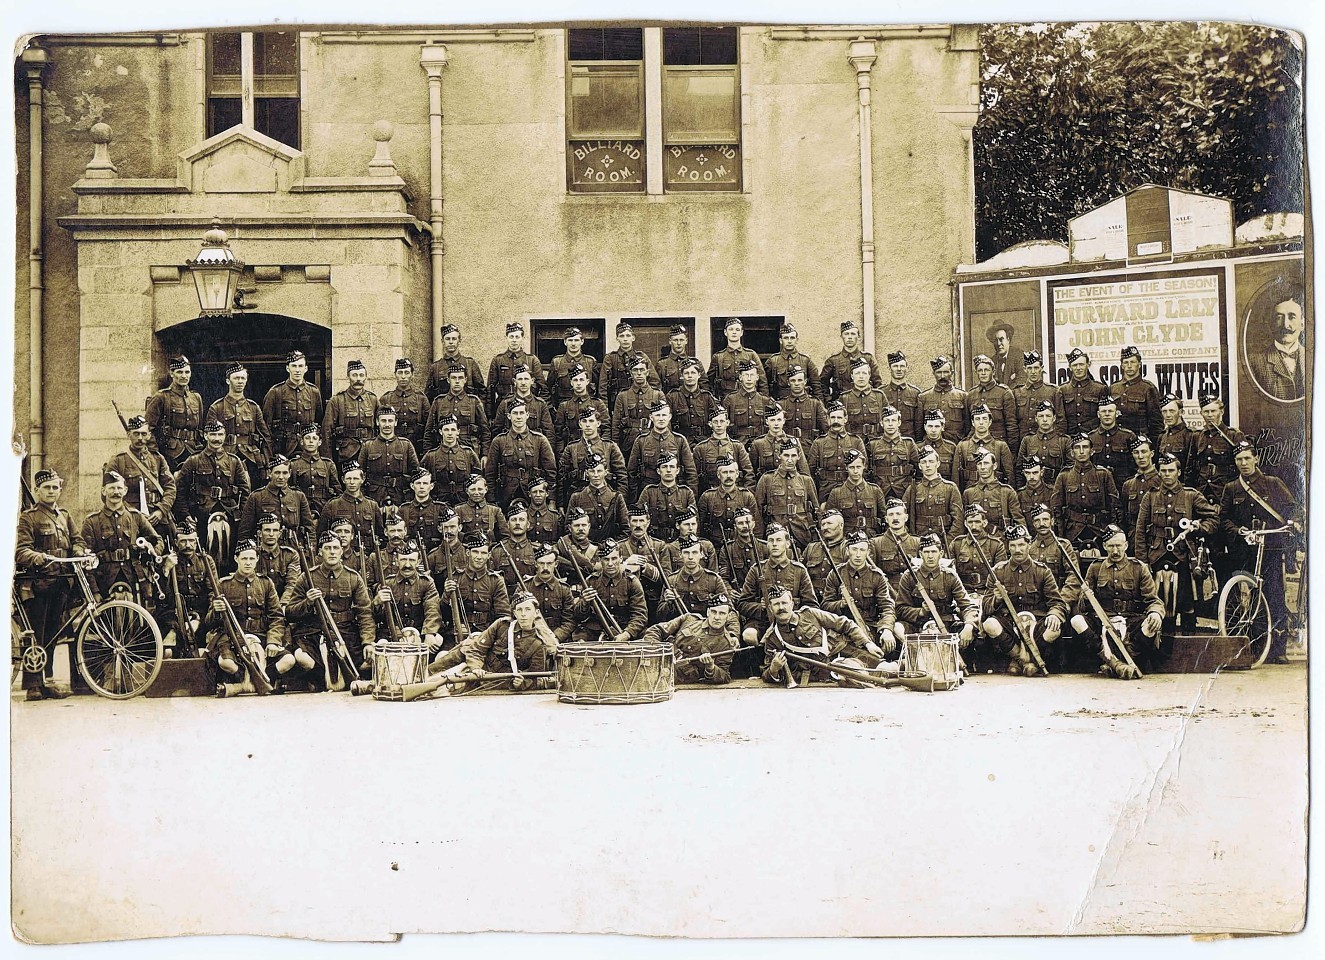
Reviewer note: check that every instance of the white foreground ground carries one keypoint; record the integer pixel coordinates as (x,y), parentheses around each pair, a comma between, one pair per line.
(1072,805)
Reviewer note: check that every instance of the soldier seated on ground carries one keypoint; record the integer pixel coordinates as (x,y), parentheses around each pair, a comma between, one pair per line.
(1126,591)
(516,644)
(1030,586)
(704,643)
(257,611)
(811,633)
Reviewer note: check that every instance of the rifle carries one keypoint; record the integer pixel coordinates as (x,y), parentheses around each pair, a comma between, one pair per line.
(457,604)
(924,593)
(160,491)
(846,592)
(657,560)
(1026,633)
(519,577)
(330,631)
(186,638)
(413,691)
(1107,630)
(599,607)
(395,623)
(244,643)
(839,670)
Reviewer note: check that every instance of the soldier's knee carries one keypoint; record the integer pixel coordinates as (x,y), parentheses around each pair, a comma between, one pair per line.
(992,627)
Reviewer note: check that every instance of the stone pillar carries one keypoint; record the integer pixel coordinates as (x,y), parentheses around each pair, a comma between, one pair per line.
(862,57)
(368,312)
(433,60)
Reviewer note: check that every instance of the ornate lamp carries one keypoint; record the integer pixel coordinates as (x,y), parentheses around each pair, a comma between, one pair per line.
(216,273)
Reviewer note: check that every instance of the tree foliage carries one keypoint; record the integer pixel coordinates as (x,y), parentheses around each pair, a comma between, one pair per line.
(1072,115)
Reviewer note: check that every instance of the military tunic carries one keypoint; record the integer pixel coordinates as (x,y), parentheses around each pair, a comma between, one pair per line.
(905,396)
(891,559)
(566,421)
(1112,450)
(630,414)
(998,499)
(752,598)
(812,628)
(288,504)
(1138,406)
(614,375)
(160,502)
(707,453)
(501,375)
(691,636)
(1028,396)
(608,514)
(439,375)
(387,467)
(349,421)
(788,499)
(1134,490)
(423,520)
(246,432)
(691,410)
(1032,587)
(869,589)
(826,461)
(288,409)
(1005,424)
(864,412)
(1084,502)
(316,477)
(665,504)
(559,375)
(966,558)
(570,469)
(717,511)
(418,601)
(965,466)
(1052,449)
(952,402)
(951,599)
(778,370)
(669,372)
(515,460)
(1210,465)
(935,506)
(624,598)
(642,464)
(862,505)
(766,454)
(209,482)
(411,406)
(112,535)
(1078,401)
(363,512)
(257,607)
(346,596)
(471,419)
(175,419)
(540,416)
(892,463)
(806,416)
(747,410)
(835,378)
(724,371)
(450,468)
(1177,440)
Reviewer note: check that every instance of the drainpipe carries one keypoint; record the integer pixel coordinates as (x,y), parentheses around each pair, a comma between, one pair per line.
(34,61)
(433,60)
(862,57)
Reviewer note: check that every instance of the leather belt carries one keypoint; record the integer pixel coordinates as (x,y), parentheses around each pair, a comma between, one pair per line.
(118,556)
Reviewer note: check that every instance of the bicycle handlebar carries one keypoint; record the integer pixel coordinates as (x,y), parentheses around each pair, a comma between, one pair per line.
(1251,535)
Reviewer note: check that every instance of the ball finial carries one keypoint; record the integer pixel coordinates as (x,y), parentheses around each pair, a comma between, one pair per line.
(100,132)
(383,130)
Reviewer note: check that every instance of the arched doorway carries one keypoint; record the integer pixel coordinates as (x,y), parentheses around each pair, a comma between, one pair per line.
(260,341)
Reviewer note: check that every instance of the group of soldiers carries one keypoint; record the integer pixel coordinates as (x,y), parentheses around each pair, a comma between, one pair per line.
(743,511)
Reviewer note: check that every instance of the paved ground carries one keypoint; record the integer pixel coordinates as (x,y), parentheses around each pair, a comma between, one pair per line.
(1069,805)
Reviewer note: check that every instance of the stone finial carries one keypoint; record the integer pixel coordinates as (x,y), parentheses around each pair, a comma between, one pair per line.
(382,165)
(100,166)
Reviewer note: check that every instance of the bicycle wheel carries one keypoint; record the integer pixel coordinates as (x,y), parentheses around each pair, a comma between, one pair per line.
(1243,612)
(119,649)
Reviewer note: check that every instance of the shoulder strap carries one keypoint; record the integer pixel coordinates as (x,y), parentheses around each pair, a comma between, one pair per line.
(1261,502)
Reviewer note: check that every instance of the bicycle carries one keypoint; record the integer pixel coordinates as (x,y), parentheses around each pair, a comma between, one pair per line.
(1243,609)
(118,646)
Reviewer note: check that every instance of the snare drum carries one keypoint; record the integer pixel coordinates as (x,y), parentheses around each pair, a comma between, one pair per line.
(933,655)
(615,672)
(396,664)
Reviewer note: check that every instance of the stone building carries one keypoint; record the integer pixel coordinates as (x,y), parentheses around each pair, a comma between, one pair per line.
(380,183)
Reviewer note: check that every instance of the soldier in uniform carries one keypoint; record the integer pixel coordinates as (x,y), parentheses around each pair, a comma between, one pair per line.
(45,533)
(476,514)
(901,393)
(409,402)
(1175,437)
(1113,444)
(933,502)
(451,463)
(414,594)
(346,597)
(620,593)
(1253,501)
(502,369)
(981,439)
(1160,543)
(1079,397)
(671,366)
(726,365)
(718,505)
(998,499)
(1047,442)
(892,456)
(278,498)
(640,550)
(566,421)
(421,513)
(517,456)
(642,464)
(458,401)
(1085,499)
(540,414)
(518,642)
(570,467)
(1138,398)
(711,451)
(292,405)
(869,590)
(246,433)
(807,417)
(564,365)
(740,551)
(364,513)
(667,499)
(256,606)
(864,404)
(935,427)
(556,601)
(787,497)
(692,404)
(350,416)
(832,535)
(311,473)
(827,456)
(704,639)
(1032,391)
(277,562)
(687,525)
(150,479)
(949,596)
(439,374)
(691,581)
(513,555)
(545,520)
(966,549)
(483,594)
(1125,588)
(194,584)
(999,398)
(890,549)
(605,507)
(815,633)
(861,503)
(388,461)
(614,373)
(835,379)
(1044,547)
(776,570)
(1145,479)
(1033,590)
(947,399)
(747,406)
(449,559)
(1033,489)
(778,367)
(111,534)
(630,412)
(766,451)
(1210,465)
(212,487)
(174,415)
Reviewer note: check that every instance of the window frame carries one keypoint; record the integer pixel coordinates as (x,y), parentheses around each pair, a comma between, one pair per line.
(572,139)
(248,83)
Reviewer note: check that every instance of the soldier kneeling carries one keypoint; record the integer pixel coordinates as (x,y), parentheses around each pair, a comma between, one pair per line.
(1126,586)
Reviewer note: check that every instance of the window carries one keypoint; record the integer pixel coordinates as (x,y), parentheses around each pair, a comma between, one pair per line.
(701,109)
(762,334)
(605,110)
(253,79)
(652,334)
(550,335)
